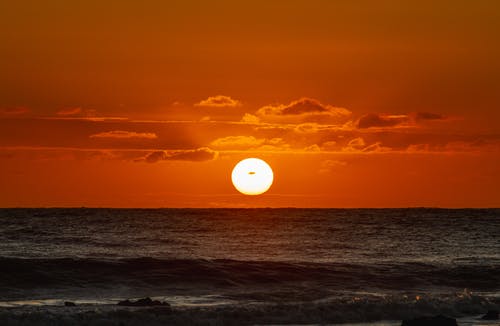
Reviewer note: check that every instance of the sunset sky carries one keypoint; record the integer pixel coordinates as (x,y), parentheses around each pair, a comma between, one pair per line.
(152,103)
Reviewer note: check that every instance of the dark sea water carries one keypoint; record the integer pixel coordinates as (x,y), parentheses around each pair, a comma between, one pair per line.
(249,266)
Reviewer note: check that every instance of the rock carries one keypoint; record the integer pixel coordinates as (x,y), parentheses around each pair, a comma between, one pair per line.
(145,302)
(125,303)
(491,315)
(69,304)
(438,320)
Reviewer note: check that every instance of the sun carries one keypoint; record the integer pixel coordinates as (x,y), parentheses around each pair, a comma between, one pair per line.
(252,176)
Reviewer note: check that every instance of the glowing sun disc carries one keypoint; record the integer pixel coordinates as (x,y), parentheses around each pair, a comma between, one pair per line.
(252,176)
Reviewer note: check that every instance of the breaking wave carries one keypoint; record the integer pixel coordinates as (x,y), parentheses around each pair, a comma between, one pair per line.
(27,273)
(357,309)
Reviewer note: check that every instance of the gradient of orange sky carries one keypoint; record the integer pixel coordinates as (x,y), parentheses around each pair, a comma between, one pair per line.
(151,104)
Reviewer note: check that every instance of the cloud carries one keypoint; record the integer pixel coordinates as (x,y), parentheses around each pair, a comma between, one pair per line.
(70,111)
(14,111)
(249,142)
(84,118)
(313,127)
(358,145)
(67,153)
(76,112)
(194,155)
(328,166)
(355,144)
(476,146)
(329,145)
(237,142)
(381,120)
(121,134)
(312,148)
(274,145)
(377,148)
(303,110)
(250,118)
(219,101)
(307,128)
(428,116)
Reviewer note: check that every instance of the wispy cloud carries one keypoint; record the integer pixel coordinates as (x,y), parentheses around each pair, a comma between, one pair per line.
(237,142)
(68,153)
(76,112)
(328,166)
(382,120)
(219,101)
(477,146)
(194,155)
(358,145)
(307,128)
(249,142)
(18,111)
(121,134)
(69,112)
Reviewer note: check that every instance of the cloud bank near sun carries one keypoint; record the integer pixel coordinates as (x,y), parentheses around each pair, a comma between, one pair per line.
(324,155)
(196,155)
(301,126)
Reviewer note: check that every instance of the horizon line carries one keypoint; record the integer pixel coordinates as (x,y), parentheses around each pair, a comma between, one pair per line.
(235,207)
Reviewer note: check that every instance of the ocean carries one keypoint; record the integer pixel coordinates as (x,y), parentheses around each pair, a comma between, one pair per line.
(248,266)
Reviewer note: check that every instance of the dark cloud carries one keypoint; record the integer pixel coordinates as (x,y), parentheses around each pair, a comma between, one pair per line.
(156,156)
(304,105)
(387,120)
(195,155)
(381,120)
(302,110)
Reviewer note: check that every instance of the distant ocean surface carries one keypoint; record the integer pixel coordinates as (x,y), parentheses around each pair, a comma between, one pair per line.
(251,266)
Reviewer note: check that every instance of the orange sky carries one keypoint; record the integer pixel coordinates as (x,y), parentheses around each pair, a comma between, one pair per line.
(151,104)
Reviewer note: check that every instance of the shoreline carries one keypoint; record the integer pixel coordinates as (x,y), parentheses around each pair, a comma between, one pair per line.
(152,316)
(85,312)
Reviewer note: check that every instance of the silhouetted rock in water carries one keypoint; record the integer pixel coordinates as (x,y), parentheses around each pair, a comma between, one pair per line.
(491,315)
(69,304)
(430,321)
(146,302)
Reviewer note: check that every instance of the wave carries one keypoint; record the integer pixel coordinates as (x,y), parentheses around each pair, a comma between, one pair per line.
(18,273)
(319,312)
